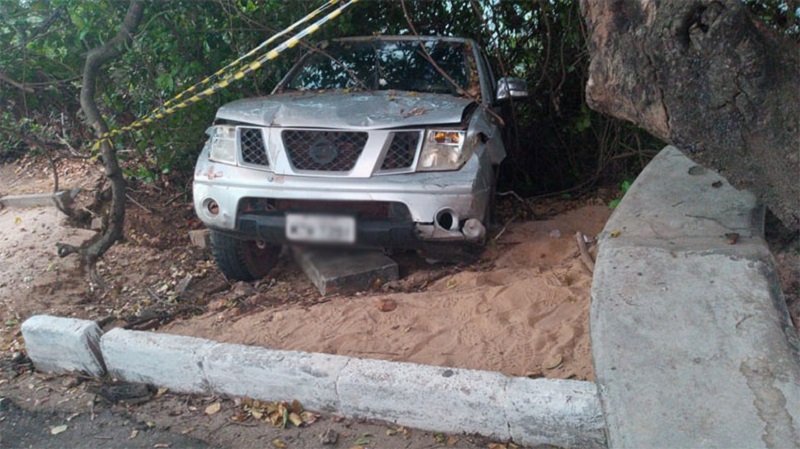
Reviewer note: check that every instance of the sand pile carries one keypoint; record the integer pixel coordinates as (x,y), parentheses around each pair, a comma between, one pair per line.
(529,315)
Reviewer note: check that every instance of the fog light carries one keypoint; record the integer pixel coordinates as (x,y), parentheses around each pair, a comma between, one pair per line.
(212,207)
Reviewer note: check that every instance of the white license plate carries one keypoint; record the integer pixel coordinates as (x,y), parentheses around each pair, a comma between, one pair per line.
(320,228)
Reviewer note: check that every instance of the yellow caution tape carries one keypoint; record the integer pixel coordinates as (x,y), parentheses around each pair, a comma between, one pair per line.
(226,73)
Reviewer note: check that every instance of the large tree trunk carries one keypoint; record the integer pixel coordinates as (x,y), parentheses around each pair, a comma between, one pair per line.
(92,250)
(707,77)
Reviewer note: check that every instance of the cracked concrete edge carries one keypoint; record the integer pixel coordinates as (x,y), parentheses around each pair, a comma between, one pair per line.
(63,345)
(61,198)
(674,257)
(530,411)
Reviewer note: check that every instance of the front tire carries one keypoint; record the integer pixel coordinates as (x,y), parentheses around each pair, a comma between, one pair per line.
(243,260)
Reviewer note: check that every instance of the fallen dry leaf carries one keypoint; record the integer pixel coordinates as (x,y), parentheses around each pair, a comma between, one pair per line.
(278,443)
(161,445)
(452,441)
(213,408)
(386,304)
(134,433)
(58,429)
(554,362)
(295,419)
(614,234)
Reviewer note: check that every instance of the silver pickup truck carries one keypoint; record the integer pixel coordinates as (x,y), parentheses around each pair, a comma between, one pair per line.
(387,142)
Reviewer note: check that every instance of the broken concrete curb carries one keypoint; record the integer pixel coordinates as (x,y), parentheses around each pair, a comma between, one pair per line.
(63,345)
(62,198)
(691,339)
(171,361)
(541,411)
(452,400)
(311,378)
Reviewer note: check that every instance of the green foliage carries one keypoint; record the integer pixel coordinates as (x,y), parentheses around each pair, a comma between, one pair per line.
(561,142)
(624,186)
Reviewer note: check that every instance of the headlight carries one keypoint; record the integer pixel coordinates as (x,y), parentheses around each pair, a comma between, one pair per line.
(223,144)
(444,150)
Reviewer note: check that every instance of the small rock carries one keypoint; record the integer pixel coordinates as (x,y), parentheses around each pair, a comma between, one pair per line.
(242,289)
(258,298)
(329,437)
(183,285)
(70,382)
(385,304)
(217,305)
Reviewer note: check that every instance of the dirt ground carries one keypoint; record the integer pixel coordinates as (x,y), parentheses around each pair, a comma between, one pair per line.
(521,310)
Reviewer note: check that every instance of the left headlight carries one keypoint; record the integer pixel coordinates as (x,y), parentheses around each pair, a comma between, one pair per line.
(223,144)
(444,150)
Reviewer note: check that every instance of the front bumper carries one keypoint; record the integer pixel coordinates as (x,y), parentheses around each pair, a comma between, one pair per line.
(462,194)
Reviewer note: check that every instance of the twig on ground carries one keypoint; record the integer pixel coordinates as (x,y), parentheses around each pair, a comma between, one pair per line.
(520,199)
(586,258)
(505,226)
(137,203)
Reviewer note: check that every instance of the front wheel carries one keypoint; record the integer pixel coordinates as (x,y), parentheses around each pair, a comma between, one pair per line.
(243,260)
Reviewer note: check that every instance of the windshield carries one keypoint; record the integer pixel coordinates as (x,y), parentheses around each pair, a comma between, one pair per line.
(387,65)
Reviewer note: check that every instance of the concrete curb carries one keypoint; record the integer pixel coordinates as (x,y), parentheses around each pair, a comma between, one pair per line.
(63,345)
(62,197)
(531,411)
(691,339)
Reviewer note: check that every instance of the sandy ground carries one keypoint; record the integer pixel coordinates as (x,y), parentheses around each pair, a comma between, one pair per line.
(527,316)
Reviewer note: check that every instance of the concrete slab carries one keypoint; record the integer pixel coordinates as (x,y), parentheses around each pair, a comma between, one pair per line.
(675,199)
(691,338)
(200,238)
(172,361)
(345,271)
(426,397)
(62,345)
(563,413)
(63,197)
(271,375)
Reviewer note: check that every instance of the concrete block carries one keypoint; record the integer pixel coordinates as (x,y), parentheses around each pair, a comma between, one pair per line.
(172,361)
(270,375)
(691,339)
(426,397)
(693,349)
(200,238)
(563,413)
(345,272)
(675,199)
(60,345)
(38,199)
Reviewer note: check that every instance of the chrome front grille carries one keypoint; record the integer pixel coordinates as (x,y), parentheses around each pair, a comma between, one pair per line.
(401,151)
(251,144)
(334,151)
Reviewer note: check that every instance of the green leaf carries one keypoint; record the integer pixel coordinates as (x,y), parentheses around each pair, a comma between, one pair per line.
(364,439)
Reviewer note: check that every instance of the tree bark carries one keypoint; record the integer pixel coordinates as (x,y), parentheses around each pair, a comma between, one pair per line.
(707,77)
(93,249)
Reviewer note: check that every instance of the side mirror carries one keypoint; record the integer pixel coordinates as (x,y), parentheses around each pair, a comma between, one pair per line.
(511,87)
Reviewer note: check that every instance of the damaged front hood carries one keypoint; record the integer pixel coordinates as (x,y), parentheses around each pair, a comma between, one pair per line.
(338,110)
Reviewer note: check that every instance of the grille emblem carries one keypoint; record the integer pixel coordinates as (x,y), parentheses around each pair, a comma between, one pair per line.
(323,152)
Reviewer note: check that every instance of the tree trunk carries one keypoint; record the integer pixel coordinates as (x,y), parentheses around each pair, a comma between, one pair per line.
(92,250)
(707,77)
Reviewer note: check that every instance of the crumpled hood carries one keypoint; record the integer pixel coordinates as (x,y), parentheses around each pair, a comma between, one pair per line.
(336,109)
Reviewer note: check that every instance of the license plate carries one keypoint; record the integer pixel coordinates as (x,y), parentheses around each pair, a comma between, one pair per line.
(320,228)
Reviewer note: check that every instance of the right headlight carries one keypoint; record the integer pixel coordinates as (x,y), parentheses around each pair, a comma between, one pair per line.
(223,144)
(444,150)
